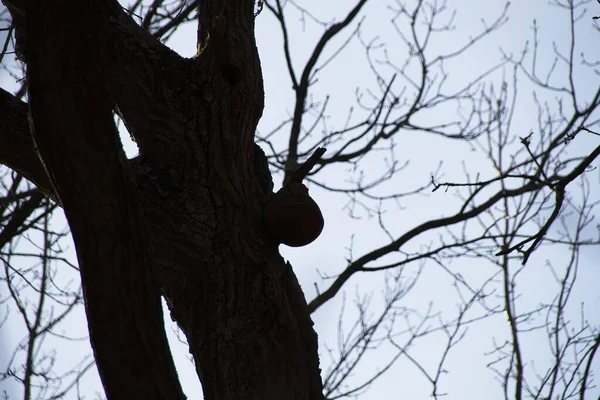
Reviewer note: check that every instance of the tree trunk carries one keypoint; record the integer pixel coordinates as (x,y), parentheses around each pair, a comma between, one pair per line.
(184,219)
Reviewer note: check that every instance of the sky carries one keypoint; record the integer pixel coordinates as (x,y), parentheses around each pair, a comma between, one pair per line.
(468,376)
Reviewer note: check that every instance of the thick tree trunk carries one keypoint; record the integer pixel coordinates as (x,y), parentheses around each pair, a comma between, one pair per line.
(183,219)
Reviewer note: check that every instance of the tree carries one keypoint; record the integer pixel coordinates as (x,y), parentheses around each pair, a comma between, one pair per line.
(184,219)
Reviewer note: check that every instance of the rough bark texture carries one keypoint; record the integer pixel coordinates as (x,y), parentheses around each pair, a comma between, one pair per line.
(184,219)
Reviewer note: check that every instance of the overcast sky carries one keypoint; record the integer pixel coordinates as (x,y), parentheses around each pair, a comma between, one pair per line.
(468,376)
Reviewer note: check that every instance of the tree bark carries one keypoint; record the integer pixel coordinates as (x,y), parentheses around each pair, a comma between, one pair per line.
(184,219)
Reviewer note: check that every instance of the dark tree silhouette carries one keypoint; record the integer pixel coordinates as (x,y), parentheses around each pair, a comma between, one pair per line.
(185,219)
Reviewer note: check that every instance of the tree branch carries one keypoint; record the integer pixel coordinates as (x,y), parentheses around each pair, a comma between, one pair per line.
(85,161)
(302,87)
(461,216)
(16,144)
